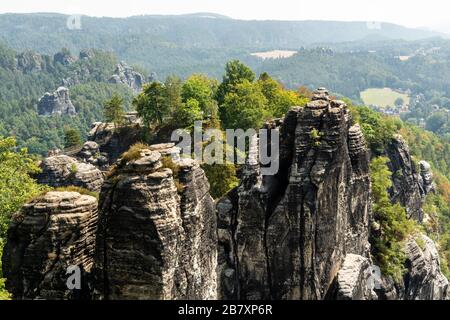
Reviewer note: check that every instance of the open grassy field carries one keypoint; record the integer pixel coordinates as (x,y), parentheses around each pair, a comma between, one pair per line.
(274,54)
(382,97)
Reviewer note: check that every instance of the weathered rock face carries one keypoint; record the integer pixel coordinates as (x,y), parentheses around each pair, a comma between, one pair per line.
(157,234)
(424,280)
(90,153)
(410,186)
(63,58)
(87,54)
(45,238)
(56,103)
(125,74)
(426,176)
(353,281)
(113,142)
(286,236)
(62,171)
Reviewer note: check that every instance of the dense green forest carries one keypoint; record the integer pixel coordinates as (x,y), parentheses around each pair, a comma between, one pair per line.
(188,43)
(25,77)
(424,75)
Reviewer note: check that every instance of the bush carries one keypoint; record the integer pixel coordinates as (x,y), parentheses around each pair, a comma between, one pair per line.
(4,295)
(222,178)
(378,130)
(167,162)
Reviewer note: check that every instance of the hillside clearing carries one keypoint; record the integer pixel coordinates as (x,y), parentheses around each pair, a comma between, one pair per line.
(382,97)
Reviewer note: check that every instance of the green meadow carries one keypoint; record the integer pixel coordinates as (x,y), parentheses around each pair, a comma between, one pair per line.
(382,97)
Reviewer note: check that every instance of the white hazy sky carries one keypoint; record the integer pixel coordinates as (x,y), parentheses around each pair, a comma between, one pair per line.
(412,13)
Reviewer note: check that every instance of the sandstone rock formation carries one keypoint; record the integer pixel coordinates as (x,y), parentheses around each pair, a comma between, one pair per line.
(62,171)
(45,238)
(90,153)
(157,232)
(56,103)
(30,62)
(299,234)
(353,281)
(287,236)
(424,280)
(87,54)
(409,186)
(113,141)
(125,74)
(64,58)
(426,175)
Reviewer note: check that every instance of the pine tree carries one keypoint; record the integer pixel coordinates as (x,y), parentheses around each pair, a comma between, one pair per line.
(72,138)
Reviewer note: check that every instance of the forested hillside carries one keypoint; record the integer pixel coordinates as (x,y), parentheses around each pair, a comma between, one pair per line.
(346,57)
(421,69)
(25,77)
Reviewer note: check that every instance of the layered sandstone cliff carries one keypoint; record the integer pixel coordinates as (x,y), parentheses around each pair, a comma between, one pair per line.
(157,231)
(411,182)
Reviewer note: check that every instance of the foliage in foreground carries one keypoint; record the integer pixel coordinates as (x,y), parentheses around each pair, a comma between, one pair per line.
(16,187)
